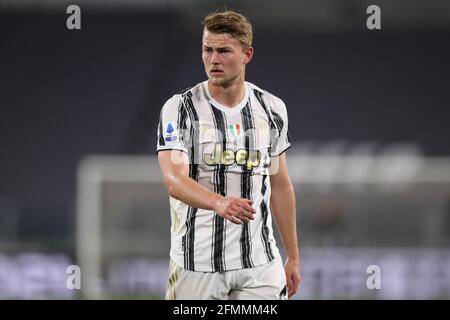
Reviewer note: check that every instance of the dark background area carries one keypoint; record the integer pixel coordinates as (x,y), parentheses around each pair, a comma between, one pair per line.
(65,94)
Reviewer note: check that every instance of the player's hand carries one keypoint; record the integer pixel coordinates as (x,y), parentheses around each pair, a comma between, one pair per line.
(293,278)
(236,210)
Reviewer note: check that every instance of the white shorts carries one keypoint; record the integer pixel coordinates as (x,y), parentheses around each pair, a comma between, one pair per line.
(264,282)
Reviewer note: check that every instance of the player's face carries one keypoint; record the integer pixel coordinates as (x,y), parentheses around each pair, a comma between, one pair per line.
(224,58)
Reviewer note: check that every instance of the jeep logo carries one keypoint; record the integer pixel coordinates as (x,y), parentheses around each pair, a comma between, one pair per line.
(242,157)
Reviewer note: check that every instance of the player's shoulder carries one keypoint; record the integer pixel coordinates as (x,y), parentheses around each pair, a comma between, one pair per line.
(186,92)
(176,97)
(173,102)
(274,101)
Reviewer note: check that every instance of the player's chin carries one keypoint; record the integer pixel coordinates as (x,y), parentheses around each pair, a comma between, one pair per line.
(217,80)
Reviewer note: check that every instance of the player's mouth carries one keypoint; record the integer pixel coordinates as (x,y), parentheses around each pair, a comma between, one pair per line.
(216,72)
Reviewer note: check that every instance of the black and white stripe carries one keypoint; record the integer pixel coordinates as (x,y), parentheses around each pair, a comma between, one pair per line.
(182,122)
(276,125)
(248,127)
(219,178)
(264,216)
(275,121)
(162,142)
(188,239)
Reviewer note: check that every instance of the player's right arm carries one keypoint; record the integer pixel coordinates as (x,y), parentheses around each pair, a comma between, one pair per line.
(182,187)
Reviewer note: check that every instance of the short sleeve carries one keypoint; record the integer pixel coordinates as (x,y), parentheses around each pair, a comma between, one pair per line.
(173,126)
(280,140)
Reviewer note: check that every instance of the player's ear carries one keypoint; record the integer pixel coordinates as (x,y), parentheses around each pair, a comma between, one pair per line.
(248,54)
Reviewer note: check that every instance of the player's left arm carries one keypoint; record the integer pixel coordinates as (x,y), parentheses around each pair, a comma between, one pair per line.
(283,209)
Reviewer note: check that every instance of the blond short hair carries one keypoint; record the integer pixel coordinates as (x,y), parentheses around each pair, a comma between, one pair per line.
(232,23)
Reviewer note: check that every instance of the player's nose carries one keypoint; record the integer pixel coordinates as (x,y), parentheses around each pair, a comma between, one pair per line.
(214,58)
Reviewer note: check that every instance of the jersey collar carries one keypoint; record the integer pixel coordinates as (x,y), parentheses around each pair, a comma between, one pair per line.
(223,108)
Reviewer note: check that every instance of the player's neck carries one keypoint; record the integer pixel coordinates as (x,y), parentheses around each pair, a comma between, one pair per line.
(229,96)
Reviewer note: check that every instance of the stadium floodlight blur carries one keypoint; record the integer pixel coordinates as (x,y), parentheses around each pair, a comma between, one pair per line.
(357,207)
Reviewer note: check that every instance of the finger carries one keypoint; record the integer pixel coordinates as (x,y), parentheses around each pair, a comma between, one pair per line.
(249,203)
(246,201)
(234,219)
(245,214)
(250,215)
(247,208)
(243,217)
(234,211)
(241,211)
(289,285)
(250,209)
(297,281)
(293,289)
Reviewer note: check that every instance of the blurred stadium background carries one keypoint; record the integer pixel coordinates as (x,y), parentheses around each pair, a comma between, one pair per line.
(369,120)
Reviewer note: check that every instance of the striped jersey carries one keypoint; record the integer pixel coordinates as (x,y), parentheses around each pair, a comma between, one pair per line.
(230,151)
